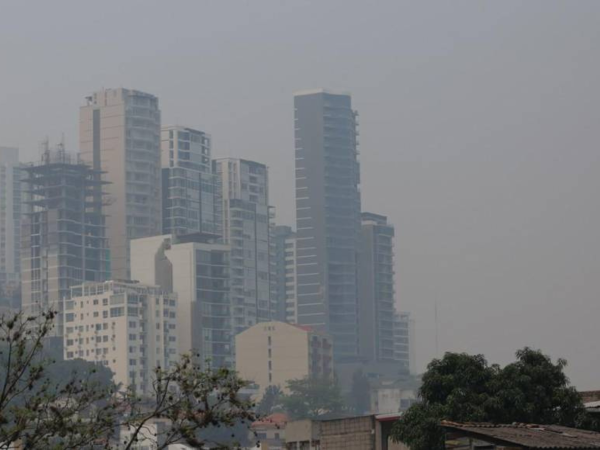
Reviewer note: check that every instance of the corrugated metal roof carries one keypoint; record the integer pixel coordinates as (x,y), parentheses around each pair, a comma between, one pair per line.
(530,435)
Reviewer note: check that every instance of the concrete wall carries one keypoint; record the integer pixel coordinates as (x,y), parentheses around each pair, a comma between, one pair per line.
(355,433)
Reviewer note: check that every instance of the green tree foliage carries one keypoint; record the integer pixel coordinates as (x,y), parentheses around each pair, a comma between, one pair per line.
(270,402)
(312,398)
(73,406)
(464,388)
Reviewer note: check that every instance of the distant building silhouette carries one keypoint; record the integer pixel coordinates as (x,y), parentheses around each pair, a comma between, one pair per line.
(10,226)
(328,217)
(244,189)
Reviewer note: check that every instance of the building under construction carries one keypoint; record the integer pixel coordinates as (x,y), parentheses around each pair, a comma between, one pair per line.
(63,231)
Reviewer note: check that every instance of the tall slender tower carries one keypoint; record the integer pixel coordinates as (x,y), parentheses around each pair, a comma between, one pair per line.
(327,217)
(119,133)
(10,225)
(244,190)
(376,289)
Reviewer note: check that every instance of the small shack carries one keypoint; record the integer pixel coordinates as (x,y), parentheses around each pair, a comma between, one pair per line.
(517,436)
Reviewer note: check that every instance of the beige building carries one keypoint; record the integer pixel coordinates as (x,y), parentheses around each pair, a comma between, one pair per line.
(273,353)
(197,269)
(128,327)
(119,133)
(350,433)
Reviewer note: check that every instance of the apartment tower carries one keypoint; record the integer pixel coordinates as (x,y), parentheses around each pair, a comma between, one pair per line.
(119,132)
(63,231)
(284,274)
(243,187)
(130,328)
(376,289)
(10,226)
(196,268)
(189,202)
(327,217)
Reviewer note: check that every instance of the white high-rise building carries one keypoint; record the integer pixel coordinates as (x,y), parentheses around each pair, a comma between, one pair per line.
(244,190)
(10,223)
(119,134)
(130,328)
(197,270)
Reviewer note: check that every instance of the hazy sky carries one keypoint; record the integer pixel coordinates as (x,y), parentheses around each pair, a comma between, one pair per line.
(479,133)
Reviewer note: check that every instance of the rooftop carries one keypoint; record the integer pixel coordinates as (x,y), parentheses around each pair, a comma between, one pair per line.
(276,420)
(319,91)
(529,436)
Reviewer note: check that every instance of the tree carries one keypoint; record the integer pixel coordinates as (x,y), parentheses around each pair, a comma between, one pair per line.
(464,388)
(270,401)
(80,411)
(312,398)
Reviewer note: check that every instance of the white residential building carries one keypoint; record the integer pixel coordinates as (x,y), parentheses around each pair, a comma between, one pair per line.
(128,327)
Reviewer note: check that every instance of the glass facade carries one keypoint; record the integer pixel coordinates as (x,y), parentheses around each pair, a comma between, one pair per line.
(211,332)
(189,187)
(328,217)
(244,189)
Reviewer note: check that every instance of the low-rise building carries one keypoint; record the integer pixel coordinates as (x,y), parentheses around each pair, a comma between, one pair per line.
(270,432)
(128,327)
(351,433)
(517,436)
(273,353)
(391,398)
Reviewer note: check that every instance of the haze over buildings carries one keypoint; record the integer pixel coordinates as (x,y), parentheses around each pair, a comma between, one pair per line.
(119,134)
(10,219)
(327,217)
(478,134)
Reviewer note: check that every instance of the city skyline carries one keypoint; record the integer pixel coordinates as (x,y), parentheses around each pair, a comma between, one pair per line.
(478,121)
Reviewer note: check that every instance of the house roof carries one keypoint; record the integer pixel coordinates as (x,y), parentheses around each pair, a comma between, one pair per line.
(529,435)
(276,420)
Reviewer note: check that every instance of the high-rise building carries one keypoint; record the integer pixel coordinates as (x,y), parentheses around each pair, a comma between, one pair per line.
(243,187)
(119,132)
(273,353)
(10,226)
(376,289)
(328,217)
(404,341)
(128,327)
(189,200)
(284,239)
(197,270)
(63,231)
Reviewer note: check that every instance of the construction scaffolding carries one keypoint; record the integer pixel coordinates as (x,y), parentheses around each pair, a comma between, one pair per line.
(64,239)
